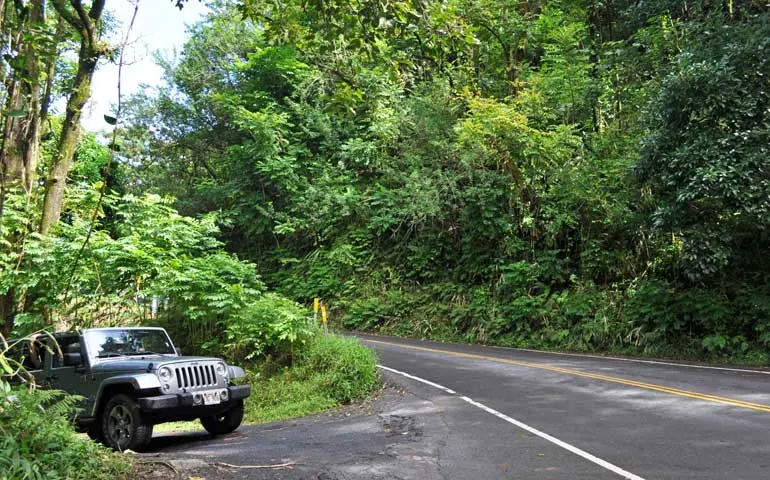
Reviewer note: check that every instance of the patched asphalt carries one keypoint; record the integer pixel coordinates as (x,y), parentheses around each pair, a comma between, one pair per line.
(395,435)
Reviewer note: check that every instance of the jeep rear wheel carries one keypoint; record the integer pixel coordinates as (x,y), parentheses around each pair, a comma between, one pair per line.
(226,421)
(123,427)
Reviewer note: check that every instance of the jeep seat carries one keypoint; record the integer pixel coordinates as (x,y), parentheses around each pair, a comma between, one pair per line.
(72,355)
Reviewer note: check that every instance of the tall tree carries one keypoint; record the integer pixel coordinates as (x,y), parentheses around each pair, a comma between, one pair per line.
(86,22)
(21,130)
(19,152)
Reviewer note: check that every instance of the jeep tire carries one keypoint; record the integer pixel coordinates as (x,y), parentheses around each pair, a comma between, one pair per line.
(122,425)
(226,421)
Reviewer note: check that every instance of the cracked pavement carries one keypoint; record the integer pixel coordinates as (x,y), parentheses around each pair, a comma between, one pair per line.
(398,435)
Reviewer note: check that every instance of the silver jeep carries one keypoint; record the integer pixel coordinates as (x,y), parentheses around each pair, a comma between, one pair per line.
(133,378)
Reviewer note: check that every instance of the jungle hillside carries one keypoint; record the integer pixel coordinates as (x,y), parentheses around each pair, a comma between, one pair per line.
(587,175)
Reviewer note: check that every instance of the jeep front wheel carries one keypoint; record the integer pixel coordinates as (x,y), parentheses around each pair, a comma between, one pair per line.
(226,421)
(123,427)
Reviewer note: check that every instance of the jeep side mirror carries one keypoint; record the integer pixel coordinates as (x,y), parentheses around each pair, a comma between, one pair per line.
(178,351)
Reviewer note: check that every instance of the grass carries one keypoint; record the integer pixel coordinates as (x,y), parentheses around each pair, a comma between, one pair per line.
(327,372)
(175,427)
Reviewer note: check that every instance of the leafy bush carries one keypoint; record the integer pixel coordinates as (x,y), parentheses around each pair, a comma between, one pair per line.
(208,299)
(344,369)
(327,372)
(706,155)
(37,440)
(271,326)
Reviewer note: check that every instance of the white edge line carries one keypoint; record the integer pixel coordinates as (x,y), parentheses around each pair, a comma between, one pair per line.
(571,448)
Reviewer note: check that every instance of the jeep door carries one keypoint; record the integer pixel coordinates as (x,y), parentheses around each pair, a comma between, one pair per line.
(67,369)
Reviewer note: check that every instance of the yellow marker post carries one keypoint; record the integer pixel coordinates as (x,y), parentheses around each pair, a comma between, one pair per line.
(315,310)
(324,318)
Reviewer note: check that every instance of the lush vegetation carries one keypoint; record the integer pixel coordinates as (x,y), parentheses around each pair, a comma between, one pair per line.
(328,373)
(81,245)
(585,175)
(37,441)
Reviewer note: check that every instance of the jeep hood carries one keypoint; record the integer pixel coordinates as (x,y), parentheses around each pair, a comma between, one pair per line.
(143,364)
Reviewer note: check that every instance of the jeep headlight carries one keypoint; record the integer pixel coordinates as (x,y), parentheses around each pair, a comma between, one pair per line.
(221,369)
(165,376)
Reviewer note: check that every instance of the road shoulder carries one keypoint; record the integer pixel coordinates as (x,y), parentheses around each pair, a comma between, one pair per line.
(395,434)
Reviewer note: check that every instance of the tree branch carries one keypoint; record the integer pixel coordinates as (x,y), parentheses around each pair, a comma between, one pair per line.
(96,10)
(78,6)
(62,10)
(504,45)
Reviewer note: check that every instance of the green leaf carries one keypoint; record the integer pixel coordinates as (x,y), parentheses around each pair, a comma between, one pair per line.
(110,119)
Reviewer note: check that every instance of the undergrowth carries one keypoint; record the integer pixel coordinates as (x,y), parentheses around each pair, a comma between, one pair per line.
(37,440)
(327,372)
(651,319)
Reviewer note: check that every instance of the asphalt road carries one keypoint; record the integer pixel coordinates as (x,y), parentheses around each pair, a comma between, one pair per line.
(461,412)
(524,414)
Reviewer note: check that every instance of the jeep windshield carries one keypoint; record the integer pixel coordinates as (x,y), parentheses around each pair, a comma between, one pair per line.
(117,342)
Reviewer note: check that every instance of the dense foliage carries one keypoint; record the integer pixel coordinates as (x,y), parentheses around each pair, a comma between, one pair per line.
(586,175)
(327,372)
(37,440)
(82,245)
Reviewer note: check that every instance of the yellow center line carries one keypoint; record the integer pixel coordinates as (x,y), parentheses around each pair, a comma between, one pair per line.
(633,383)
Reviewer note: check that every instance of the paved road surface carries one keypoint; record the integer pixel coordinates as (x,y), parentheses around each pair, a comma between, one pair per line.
(524,414)
(456,412)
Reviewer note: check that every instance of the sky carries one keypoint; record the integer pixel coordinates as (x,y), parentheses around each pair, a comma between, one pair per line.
(159,26)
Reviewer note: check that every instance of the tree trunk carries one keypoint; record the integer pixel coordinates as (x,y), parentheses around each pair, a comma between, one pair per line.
(65,152)
(510,70)
(50,68)
(91,49)
(21,132)
(7,312)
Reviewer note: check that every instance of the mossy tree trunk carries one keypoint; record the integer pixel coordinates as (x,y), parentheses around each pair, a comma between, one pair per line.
(91,49)
(21,127)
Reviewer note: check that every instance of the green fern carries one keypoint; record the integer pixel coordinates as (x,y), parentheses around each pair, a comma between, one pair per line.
(37,440)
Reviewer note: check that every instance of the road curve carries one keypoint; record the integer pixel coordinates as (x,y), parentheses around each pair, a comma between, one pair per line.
(546,415)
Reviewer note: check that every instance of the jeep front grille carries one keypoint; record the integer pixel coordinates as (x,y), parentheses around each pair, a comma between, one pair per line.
(195,376)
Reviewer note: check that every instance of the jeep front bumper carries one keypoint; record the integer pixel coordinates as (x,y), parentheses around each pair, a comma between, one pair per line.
(191,399)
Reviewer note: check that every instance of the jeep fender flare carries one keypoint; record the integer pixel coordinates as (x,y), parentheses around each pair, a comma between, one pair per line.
(141,381)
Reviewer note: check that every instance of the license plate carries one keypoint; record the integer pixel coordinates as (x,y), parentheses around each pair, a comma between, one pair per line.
(211,398)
